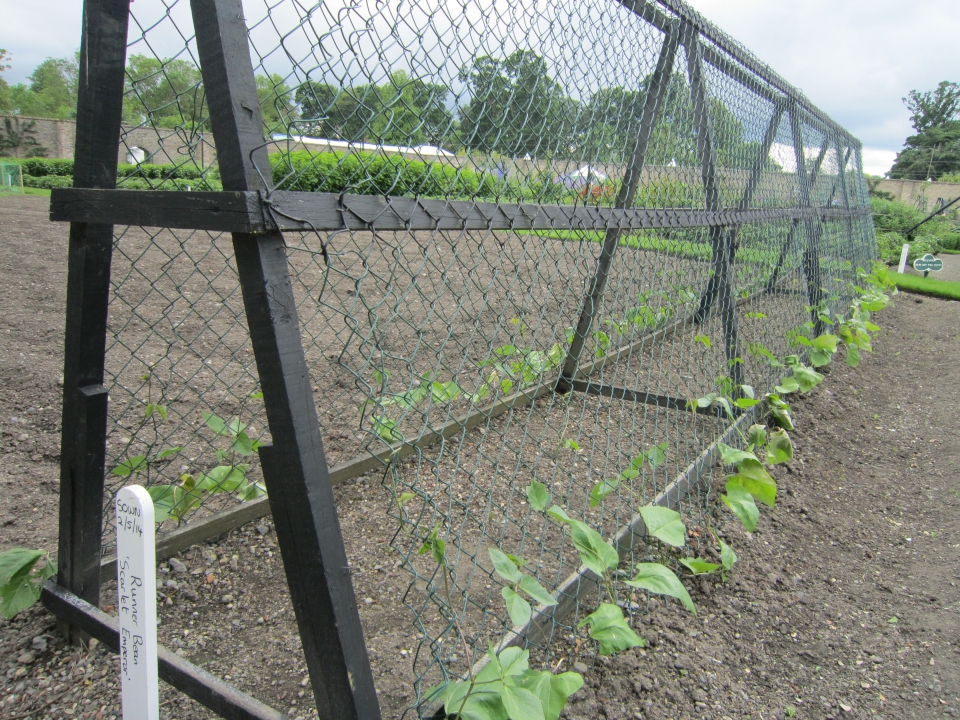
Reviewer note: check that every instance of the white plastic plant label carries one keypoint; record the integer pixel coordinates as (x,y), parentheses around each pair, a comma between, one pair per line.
(137,603)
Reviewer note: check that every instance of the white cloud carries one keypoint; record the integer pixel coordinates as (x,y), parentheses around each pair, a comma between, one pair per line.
(877,161)
(855,59)
(33,31)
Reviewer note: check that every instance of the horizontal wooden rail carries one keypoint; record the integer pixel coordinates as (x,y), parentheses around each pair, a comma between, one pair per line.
(251,212)
(195,682)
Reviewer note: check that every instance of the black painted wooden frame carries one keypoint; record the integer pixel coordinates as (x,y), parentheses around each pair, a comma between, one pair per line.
(295,468)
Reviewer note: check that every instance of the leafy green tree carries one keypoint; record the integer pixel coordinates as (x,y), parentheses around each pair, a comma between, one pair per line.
(930,154)
(610,122)
(412,112)
(5,103)
(52,91)
(403,111)
(168,93)
(276,102)
(516,108)
(935,149)
(933,108)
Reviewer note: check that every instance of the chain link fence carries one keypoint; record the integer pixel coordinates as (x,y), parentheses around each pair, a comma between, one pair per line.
(463,363)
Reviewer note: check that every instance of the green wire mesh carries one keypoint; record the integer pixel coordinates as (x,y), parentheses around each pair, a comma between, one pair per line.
(437,352)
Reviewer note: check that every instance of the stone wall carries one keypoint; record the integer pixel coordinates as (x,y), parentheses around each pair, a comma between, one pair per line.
(919,193)
(160,145)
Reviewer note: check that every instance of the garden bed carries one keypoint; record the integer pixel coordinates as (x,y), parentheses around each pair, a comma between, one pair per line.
(225,607)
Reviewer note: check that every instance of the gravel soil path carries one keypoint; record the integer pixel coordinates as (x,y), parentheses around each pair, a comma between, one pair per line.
(844,602)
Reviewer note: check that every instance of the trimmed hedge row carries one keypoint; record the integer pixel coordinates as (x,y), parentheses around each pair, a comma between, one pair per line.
(63,167)
(47,182)
(375,174)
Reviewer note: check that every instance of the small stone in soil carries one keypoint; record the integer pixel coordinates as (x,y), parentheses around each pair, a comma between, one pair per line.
(177,566)
(26,658)
(39,643)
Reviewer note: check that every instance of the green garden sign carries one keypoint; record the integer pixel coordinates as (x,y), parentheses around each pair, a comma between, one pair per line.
(927,263)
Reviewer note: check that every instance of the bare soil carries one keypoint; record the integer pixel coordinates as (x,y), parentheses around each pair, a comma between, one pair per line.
(843,604)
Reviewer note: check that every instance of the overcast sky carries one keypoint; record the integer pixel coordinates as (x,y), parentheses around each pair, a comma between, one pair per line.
(855,59)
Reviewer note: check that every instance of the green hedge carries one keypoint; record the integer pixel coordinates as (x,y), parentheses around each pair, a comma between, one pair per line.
(44,167)
(63,167)
(375,174)
(950,241)
(890,245)
(135,183)
(47,182)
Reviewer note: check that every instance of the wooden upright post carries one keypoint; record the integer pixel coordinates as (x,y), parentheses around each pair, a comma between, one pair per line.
(656,90)
(721,284)
(811,255)
(84,421)
(294,467)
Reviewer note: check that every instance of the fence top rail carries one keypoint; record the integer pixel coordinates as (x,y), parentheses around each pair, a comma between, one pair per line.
(253,212)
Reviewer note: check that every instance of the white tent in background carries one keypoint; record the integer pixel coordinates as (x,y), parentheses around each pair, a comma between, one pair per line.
(586,175)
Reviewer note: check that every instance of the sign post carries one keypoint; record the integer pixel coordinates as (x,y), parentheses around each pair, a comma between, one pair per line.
(904,254)
(928,263)
(137,606)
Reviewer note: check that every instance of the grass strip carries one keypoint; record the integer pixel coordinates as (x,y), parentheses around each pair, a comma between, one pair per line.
(636,241)
(26,191)
(926,286)
(645,240)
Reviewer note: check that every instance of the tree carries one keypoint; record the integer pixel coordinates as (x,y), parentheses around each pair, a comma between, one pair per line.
(516,108)
(935,149)
(610,124)
(930,154)
(18,139)
(276,103)
(933,108)
(411,112)
(5,102)
(403,111)
(52,92)
(167,93)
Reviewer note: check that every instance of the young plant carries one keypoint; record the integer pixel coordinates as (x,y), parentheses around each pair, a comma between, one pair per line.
(153,414)
(22,574)
(654,457)
(507,687)
(176,500)
(518,607)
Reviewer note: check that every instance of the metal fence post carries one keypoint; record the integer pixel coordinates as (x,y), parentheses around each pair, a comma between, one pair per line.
(628,189)
(720,242)
(84,420)
(295,467)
